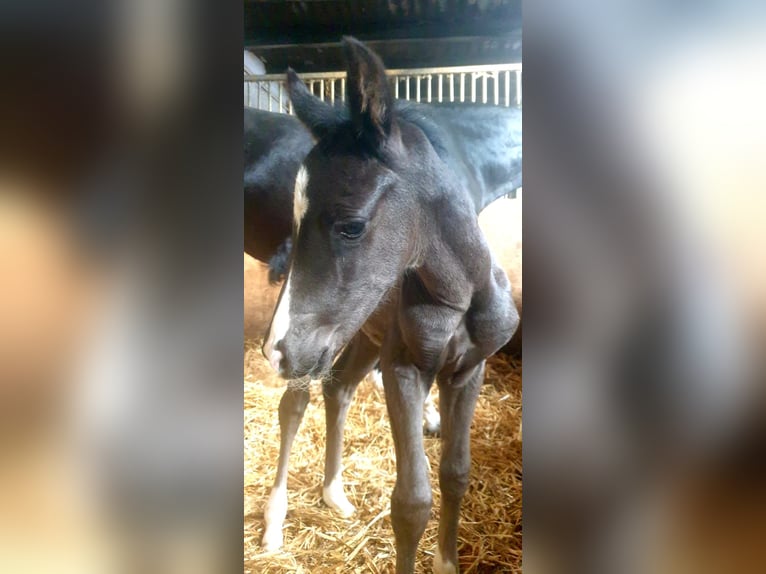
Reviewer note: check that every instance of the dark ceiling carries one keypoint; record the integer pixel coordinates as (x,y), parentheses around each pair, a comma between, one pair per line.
(305,34)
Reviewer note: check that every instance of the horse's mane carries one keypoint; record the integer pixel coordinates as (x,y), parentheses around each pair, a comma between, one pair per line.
(413,113)
(410,112)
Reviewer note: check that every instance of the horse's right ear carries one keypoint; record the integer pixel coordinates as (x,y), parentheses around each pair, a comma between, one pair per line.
(318,116)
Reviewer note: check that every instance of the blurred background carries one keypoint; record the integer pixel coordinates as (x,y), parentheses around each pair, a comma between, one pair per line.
(120,286)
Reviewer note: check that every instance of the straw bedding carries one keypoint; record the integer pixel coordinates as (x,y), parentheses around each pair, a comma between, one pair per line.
(319,542)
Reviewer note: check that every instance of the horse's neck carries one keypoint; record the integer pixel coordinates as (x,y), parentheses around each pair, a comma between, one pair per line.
(455,258)
(490,150)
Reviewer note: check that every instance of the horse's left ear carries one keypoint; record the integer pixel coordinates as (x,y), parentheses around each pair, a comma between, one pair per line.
(369,94)
(318,116)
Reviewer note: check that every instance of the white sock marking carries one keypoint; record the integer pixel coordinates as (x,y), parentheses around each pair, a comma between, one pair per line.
(431,415)
(274,514)
(377,379)
(442,566)
(335,498)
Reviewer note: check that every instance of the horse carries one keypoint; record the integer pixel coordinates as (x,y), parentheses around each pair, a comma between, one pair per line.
(274,148)
(276,144)
(388,262)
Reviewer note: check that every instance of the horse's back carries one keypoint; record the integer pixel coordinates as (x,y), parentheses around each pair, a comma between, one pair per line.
(274,148)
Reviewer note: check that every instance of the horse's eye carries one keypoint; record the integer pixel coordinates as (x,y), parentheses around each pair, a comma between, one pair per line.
(350,229)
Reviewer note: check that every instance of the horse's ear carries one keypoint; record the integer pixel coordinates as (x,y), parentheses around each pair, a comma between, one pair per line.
(369,96)
(318,116)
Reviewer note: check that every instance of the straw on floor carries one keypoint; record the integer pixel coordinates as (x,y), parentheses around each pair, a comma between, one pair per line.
(319,542)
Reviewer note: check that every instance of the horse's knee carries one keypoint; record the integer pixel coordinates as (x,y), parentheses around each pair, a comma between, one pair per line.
(410,511)
(453,479)
(293,404)
(338,394)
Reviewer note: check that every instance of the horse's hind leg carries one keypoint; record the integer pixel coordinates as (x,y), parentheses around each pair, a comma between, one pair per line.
(292,406)
(457,400)
(355,362)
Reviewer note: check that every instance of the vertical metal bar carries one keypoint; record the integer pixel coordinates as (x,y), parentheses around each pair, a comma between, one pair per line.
(396,87)
(407,90)
(430,80)
(507,88)
(518,87)
(321,88)
(269,96)
(484,88)
(451,87)
(258,95)
(440,79)
(473,88)
(417,87)
(496,80)
(462,87)
(332,91)
(290,107)
(343,89)
(281,104)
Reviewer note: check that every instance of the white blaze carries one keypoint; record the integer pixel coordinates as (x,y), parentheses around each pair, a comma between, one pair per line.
(300,201)
(279,326)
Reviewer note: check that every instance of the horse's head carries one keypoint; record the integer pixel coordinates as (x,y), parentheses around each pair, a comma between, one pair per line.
(355,212)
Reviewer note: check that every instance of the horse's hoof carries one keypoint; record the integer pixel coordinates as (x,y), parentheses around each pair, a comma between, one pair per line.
(272,540)
(442,566)
(335,498)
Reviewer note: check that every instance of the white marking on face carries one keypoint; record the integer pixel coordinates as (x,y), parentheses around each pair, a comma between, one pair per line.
(442,566)
(274,514)
(300,201)
(335,498)
(279,326)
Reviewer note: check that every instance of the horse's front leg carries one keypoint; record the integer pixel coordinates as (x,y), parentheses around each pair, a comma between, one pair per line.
(354,363)
(292,406)
(457,401)
(405,388)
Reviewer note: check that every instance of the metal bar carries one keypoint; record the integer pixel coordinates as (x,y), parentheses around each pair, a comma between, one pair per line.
(422,71)
(484,88)
(264,84)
